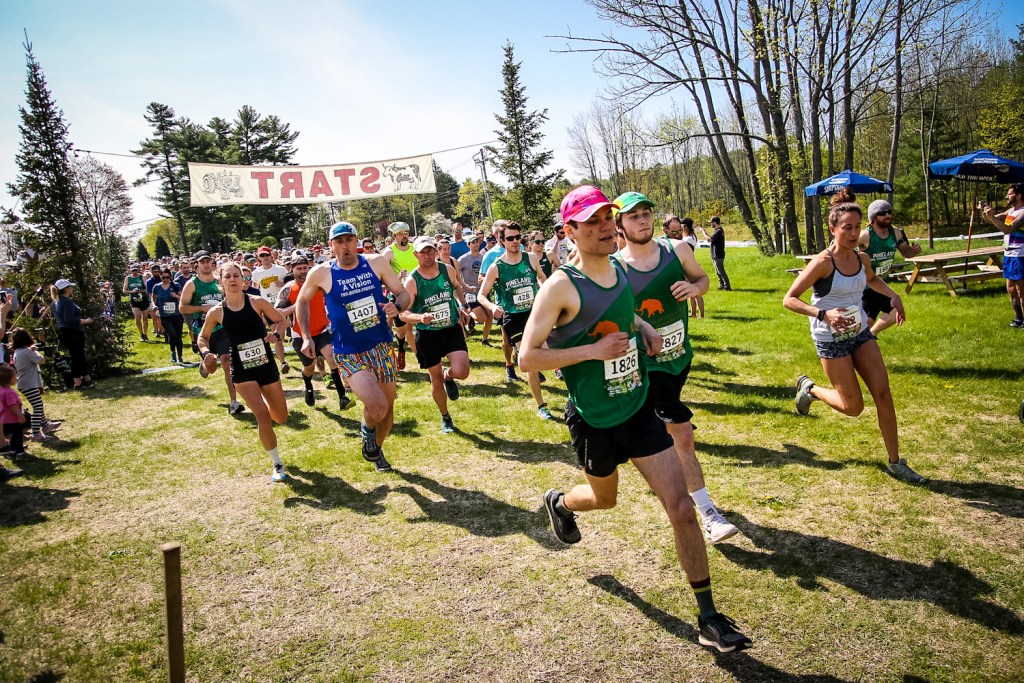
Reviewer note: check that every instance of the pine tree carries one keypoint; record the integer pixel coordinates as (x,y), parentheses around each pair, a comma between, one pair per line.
(162,162)
(56,226)
(520,157)
(141,253)
(161,248)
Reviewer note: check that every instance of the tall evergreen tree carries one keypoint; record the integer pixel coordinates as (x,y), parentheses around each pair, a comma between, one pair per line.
(141,253)
(162,249)
(521,158)
(57,227)
(161,160)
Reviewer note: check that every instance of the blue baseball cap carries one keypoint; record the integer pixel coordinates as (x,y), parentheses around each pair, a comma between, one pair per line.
(342,228)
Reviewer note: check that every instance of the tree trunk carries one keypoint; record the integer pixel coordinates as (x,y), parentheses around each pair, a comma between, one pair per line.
(897,116)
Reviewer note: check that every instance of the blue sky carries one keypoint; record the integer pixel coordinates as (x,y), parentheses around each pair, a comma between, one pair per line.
(359,81)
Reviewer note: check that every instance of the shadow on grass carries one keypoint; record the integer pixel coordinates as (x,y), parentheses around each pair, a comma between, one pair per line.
(476,512)
(48,676)
(956,371)
(60,445)
(787,392)
(791,454)
(745,407)
(317,490)
(710,369)
(731,350)
(44,467)
(999,498)
(24,505)
(712,315)
(790,554)
(344,420)
(740,664)
(520,451)
(143,385)
(296,420)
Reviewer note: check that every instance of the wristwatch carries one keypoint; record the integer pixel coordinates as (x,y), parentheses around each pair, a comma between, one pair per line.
(821,314)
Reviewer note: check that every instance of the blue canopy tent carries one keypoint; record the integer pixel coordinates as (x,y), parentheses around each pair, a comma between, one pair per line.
(857,182)
(980,166)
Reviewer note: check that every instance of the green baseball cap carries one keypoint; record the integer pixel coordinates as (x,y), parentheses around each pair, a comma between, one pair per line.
(625,203)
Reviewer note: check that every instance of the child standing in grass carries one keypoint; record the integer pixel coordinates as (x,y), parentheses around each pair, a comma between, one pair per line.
(11,416)
(30,382)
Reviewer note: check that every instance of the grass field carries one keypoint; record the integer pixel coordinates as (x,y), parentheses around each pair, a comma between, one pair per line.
(446,569)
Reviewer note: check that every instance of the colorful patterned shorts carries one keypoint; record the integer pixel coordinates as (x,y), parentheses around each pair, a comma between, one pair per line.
(378,360)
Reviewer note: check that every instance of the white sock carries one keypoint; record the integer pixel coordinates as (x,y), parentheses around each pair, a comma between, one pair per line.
(703,502)
(274,457)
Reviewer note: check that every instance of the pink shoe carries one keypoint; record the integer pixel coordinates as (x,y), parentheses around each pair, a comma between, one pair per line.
(40,437)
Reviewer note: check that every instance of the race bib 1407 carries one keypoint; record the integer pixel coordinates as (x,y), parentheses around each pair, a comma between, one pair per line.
(362,313)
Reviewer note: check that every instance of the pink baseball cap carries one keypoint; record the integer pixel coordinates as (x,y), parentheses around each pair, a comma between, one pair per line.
(582,203)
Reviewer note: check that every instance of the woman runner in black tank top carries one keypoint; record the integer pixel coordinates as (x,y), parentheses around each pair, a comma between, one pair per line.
(253,370)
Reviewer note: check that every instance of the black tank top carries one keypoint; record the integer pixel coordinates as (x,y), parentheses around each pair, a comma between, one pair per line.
(245,330)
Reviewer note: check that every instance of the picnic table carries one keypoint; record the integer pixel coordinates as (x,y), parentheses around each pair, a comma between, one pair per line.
(954,267)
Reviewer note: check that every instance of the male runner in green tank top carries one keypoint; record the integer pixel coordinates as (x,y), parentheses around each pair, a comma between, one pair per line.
(199,295)
(585,315)
(402,257)
(881,240)
(664,276)
(514,280)
(438,313)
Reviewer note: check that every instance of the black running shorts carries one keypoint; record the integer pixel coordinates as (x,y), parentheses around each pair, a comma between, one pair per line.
(600,451)
(512,326)
(433,345)
(319,341)
(664,394)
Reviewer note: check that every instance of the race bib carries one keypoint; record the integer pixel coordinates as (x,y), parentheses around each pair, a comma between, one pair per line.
(523,297)
(470,298)
(271,297)
(852,314)
(622,374)
(442,315)
(362,313)
(136,296)
(673,335)
(883,268)
(252,354)
(170,308)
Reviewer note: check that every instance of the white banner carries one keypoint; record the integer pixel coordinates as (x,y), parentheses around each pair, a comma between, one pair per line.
(221,184)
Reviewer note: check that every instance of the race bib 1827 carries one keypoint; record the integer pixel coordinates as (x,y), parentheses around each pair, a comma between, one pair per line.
(673,335)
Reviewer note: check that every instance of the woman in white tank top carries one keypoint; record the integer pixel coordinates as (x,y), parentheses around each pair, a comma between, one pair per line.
(840,332)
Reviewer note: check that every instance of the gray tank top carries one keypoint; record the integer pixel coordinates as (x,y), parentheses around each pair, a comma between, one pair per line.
(844,292)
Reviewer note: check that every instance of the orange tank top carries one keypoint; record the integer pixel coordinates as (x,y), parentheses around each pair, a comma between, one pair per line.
(317,311)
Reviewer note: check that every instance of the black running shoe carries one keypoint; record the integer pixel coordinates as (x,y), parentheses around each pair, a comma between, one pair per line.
(370,447)
(310,398)
(381,463)
(565,528)
(10,473)
(510,374)
(719,632)
(451,389)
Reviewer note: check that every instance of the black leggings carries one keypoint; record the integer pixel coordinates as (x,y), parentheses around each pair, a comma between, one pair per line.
(172,330)
(15,436)
(74,341)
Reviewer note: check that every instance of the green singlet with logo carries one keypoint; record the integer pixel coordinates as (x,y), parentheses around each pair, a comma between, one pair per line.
(205,293)
(882,252)
(606,393)
(652,290)
(516,286)
(436,296)
(137,288)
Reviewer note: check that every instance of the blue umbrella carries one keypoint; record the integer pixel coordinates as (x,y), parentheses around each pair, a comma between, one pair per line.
(857,182)
(982,165)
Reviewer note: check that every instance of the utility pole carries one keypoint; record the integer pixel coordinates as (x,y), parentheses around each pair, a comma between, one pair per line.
(482,163)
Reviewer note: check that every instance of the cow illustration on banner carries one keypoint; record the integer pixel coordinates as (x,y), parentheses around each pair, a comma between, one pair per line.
(222,184)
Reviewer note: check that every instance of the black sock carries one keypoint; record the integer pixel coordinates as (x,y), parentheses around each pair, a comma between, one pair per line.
(308,381)
(705,603)
(336,376)
(401,345)
(1018,311)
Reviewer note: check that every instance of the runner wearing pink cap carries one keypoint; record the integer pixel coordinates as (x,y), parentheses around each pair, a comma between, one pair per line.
(584,322)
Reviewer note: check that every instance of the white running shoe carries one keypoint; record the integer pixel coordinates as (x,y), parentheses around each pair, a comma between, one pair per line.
(717,528)
(279,474)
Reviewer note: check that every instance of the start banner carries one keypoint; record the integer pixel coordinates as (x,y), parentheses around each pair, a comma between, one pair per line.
(220,184)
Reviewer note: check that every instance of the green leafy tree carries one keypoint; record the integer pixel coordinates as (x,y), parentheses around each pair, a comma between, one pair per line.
(141,253)
(56,226)
(520,157)
(470,208)
(162,162)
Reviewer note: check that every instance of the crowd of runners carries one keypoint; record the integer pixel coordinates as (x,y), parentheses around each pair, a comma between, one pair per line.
(604,305)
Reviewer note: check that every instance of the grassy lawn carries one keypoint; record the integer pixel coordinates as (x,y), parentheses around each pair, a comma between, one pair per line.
(446,569)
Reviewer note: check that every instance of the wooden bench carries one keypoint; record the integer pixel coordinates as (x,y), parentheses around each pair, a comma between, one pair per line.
(975,277)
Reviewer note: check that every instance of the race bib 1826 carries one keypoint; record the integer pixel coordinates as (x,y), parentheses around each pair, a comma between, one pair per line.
(622,374)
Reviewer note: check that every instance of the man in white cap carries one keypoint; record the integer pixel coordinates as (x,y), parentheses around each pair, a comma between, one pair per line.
(583,321)
(880,241)
(438,318)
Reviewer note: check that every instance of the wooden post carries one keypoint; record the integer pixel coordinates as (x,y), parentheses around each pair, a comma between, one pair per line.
(172,594)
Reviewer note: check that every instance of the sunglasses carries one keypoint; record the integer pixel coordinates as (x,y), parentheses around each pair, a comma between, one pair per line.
(884,213)
(165,277)
(513,238)
(538,241)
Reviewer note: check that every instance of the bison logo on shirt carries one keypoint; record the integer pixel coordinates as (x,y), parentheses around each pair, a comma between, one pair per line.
(649,308)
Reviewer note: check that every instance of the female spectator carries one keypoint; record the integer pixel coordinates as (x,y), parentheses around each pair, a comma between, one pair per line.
(253,370)
(690,237)
(30,382)
(71,330)
(166,296)
(839,329)
(250,288)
